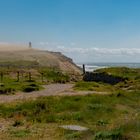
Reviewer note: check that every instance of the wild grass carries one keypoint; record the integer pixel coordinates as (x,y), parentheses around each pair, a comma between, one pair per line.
(130,73)
(107,116)
(131,84)
(55,75)
(14,79)
(93,86)
(113,116)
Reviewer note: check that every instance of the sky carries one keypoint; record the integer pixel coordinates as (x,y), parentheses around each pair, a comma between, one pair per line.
(85,30)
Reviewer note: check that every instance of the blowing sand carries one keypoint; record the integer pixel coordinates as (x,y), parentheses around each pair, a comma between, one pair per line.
(12,47)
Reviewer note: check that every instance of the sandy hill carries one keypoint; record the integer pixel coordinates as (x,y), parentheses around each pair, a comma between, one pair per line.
(14,54)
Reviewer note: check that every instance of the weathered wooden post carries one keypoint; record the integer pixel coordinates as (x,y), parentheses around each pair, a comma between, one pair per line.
(8,66)
(17,76)
(22,75)
(30,76)
(42,76)
(84,71)
(1,77)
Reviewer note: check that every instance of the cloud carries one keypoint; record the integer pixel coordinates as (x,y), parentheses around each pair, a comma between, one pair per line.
(96,54)
(100,51)
(43,43)
(73,44)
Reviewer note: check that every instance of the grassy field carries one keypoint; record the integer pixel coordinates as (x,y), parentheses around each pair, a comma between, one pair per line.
(113,116)
(108,117)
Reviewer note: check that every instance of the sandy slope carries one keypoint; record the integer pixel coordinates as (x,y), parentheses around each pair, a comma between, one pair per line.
(14,53)
(8,47)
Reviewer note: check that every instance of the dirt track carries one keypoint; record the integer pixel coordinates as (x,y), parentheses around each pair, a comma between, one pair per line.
(49,90)
(52,89)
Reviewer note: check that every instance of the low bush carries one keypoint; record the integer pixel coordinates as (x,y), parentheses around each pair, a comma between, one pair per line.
(30,88)
(20,133)
(5,90)
(109,135)
(17,123)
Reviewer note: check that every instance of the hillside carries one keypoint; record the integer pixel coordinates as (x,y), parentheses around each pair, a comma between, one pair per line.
(21,56)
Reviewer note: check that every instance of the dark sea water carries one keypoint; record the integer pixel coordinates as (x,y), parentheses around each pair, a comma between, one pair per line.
(95,66)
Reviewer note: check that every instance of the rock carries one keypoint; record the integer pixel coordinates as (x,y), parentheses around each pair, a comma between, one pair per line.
(74,127)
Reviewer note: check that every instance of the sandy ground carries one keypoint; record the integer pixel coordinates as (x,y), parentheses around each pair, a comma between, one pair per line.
(49,90)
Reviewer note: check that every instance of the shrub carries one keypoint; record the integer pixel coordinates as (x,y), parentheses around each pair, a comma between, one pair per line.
(5,90)
(20,133)
(109,135)
(17,123)
(102,122)
(73,135)
(30,88)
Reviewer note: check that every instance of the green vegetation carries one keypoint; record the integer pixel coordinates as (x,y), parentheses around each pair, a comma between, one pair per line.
(20,133)
(55,75)
(11,86)
(107,116)
(93,86)
(30,87)
(113,116)
(19,64)
(13,79)
(131,84)
(109,135)
(124,72)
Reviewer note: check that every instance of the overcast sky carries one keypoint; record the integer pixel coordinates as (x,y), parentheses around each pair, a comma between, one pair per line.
(85,30)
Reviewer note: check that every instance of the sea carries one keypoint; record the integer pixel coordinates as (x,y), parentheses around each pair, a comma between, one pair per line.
(94,66)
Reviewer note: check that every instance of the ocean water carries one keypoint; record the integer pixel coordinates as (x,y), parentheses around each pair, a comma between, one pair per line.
(94,66)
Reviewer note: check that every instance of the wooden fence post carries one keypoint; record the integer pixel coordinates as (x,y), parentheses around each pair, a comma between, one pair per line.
(30,76)
(1,77)
(18,76)
(42,76)
(84,71)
